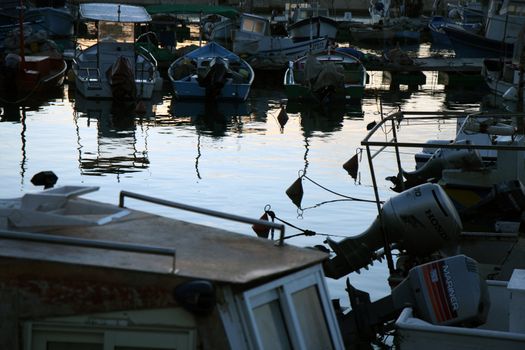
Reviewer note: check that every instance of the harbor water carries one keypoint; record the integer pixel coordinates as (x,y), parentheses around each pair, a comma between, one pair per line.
(232,158)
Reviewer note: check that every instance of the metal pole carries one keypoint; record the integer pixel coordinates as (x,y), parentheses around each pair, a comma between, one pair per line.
(388,252)
(203,211)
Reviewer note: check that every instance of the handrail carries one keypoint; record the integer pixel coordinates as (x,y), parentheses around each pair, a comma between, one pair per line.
(203,211)
(398,117)
(89,243)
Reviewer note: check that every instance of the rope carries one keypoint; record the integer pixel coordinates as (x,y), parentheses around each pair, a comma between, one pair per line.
(304,232)
(341,195)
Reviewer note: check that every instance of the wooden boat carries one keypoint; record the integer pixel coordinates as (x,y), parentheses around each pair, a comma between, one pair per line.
(92,274)
(114,67)
(254,38)
(211,72)
(21,75)
(325,76)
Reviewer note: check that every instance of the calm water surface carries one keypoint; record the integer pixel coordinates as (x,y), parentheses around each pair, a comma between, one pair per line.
(235,159)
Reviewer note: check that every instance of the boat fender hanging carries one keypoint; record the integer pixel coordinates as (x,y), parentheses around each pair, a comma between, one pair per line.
(295,192)
(371,125)
(352,165)
(261,230)
(197,296)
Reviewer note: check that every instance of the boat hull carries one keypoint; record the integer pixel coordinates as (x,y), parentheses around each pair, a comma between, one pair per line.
(315,27)
(467,44)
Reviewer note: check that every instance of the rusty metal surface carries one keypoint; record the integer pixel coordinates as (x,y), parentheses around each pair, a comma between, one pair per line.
(202,252)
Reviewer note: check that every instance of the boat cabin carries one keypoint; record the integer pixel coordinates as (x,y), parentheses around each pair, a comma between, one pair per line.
(80,274)
(254,24)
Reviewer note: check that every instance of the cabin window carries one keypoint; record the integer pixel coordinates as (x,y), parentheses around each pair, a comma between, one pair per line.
(294,312)
(116,32)
(67,336)
(250,25)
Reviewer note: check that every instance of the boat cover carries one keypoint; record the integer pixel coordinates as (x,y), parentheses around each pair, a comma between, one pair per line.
(212,50)
(114,13)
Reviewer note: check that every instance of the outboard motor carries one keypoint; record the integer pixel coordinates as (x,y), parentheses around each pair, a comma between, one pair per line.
(446,292)
(215,78)
(121,78)
(443,158)
(421,220)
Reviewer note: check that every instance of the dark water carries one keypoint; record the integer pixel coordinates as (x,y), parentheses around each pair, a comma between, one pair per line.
(233,158)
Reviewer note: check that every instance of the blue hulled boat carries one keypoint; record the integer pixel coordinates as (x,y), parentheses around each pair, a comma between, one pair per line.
(211,72)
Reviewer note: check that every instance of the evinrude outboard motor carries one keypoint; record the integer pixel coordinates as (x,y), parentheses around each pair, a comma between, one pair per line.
(121,78)
(215,78)
(443,158)
(446,292)
(421,220)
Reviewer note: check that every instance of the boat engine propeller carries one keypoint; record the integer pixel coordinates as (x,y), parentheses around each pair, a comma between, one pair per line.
(446,292)
(421,221)
(443,158)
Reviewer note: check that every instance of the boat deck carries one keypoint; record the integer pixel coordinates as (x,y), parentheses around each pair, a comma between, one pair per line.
(202,252)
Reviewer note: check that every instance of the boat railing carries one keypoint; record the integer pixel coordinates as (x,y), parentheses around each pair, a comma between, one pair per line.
(89,243)
(394,120)
(204,211)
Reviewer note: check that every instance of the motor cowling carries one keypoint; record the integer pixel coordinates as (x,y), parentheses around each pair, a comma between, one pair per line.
(420,220)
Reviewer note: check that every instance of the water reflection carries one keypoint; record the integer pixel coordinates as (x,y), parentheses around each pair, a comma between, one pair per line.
(117,142)
(213,118)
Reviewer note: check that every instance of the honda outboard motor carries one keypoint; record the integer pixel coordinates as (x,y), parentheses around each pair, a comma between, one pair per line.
(215,78)
(421,221)
(121,78)
(446,292)
(443,158)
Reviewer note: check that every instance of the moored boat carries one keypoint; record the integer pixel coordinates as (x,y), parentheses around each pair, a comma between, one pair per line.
(254,38)
(91,274)
(309,22)
(324,77)
(114,67)
(211,72)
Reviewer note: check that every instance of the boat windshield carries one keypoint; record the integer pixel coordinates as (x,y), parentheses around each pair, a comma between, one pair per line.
(253,25)
(116,31)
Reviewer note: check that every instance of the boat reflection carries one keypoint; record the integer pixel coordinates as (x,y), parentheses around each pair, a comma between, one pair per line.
(115,145)
(13,112)
(214,118)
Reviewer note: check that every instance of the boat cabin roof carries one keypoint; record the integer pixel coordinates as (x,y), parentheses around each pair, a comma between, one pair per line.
(114,13)
(201,252)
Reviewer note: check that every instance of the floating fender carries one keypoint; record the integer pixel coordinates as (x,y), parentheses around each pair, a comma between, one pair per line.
(197,296)
(420,220)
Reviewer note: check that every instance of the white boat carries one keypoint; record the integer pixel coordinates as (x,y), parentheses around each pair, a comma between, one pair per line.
(503,330)
(114,67)
(211,72)
(311,22)
(97,275)
(254,38)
